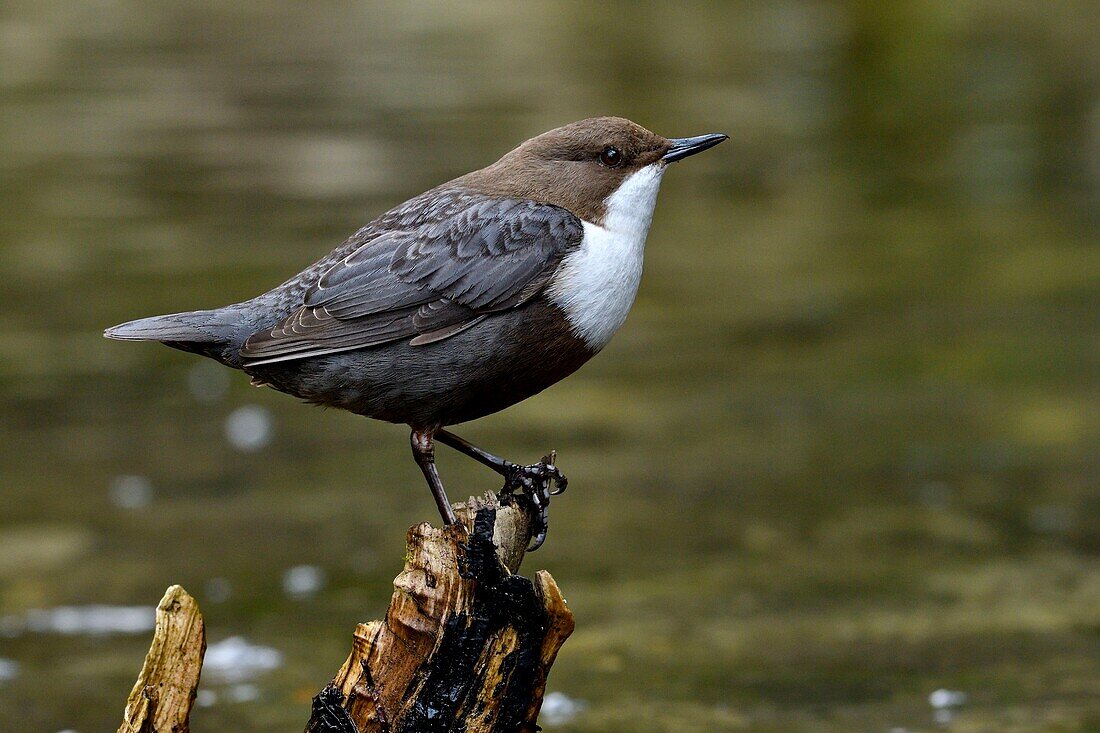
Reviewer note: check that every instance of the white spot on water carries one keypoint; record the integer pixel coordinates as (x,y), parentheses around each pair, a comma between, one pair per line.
(560,709)
(944,704)
(243,693)
(131,492)
(235,660)
(9,670)
(249,428)
(206,698)
(303,581)
(94,620)
(947,699)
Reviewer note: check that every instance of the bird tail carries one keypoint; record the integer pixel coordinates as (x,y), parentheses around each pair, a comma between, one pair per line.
(213,333)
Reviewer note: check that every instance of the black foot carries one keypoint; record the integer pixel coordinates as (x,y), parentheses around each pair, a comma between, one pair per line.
(534,483)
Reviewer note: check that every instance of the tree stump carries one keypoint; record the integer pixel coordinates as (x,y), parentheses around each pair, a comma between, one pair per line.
(466,644)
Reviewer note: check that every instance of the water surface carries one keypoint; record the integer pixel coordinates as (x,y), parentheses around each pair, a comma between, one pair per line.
(843,454)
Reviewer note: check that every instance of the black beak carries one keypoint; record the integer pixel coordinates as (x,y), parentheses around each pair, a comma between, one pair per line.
(682,147)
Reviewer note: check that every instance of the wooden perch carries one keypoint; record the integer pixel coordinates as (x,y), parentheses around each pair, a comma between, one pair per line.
(165,690)
(466,644)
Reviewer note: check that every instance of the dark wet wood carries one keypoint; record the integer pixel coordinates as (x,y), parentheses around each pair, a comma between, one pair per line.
(466,644)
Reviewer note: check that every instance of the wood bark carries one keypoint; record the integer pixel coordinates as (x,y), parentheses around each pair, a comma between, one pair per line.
(466,644)
(165,690)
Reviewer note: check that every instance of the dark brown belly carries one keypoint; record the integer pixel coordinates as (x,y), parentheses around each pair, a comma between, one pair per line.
(500,361)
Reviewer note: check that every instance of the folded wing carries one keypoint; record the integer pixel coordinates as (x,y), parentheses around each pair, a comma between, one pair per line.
(424,275)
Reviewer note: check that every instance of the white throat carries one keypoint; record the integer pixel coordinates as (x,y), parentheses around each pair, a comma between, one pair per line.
(596,283)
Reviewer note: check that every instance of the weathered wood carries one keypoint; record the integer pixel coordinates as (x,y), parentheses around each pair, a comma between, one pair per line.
(466,644)
(165,690)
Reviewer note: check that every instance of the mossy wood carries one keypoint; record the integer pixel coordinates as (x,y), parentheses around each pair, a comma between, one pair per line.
(466,644)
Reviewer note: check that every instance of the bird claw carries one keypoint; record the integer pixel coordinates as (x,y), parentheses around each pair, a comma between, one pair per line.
(534,482)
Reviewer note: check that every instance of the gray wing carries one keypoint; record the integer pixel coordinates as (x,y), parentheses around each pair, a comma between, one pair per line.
(425,276)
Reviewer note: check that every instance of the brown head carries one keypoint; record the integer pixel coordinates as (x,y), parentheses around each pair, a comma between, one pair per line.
(580,165)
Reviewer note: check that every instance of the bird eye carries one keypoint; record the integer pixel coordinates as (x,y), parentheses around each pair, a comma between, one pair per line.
(611,156)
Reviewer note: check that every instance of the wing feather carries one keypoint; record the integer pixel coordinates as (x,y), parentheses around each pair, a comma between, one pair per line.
(424,271)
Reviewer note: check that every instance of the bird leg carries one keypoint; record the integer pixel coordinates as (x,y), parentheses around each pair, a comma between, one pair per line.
(423,449)
(545,470)
(533,480)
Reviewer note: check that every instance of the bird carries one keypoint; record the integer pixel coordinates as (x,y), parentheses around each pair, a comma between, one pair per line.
(461,301)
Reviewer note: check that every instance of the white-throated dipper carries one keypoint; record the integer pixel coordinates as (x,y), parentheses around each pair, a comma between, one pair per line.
(461,301)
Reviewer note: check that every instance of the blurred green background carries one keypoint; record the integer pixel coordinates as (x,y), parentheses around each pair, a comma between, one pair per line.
(844,453)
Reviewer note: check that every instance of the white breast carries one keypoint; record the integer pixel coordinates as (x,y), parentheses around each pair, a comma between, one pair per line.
(595,285)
